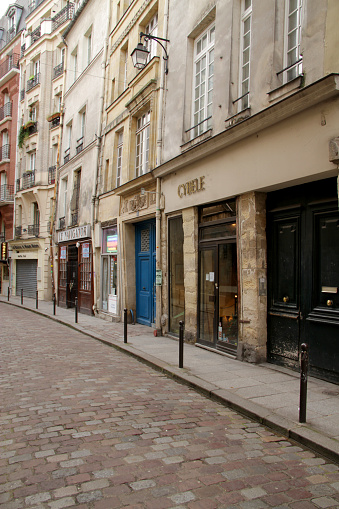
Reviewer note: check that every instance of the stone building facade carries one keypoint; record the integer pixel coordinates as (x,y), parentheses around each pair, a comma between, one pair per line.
(249,177)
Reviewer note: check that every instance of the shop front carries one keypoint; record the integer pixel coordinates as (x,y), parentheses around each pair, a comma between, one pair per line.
(218,282)
(109,270)
(75,273)
(25,269)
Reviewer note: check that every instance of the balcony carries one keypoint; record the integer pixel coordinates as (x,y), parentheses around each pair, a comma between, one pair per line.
(65,14)
(36,34)
(10,63)
(33,230)
(55,122)
(33,82)
(51,175)
(62,223)
(26,181)
(74,217)
(6,194)
(58,70)
(80,145)
(6,110)
(4,153)
(67,155)
(18,232)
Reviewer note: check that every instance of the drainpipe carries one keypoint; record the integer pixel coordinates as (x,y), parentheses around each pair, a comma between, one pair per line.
(158,192)
(98,149)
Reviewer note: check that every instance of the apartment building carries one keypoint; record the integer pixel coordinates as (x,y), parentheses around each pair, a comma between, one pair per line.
(128,211)
(41,87)
(85,38)
(249,176)
(11,27)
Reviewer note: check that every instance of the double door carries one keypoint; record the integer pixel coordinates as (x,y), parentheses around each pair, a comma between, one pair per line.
(303,276)
(218,296)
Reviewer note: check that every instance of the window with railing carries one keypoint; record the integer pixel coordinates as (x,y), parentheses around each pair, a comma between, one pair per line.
(6,110)
(66,155)
(4,152)
(6,193)
(62,223)
(51,174)
(11,62)
(65,14)
(58,70)
(80,145)
(33,230)
(18,232)
(33,82)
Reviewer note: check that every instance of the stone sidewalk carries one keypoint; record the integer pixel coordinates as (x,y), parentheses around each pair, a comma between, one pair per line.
(266,393)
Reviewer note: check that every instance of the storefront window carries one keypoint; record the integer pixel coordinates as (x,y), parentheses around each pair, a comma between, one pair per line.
(176,274)
(86,267)
(109,270)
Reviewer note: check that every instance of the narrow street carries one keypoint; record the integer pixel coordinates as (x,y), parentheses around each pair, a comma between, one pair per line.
(85,426)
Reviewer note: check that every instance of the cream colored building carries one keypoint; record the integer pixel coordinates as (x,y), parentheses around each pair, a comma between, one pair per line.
(132,148)
(86,42)
(41,75)
(249,175)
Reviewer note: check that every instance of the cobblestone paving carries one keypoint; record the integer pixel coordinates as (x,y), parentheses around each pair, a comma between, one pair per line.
(85,426)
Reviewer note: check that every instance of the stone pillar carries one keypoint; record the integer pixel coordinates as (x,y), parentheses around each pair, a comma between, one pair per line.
(252,269)
(190,226)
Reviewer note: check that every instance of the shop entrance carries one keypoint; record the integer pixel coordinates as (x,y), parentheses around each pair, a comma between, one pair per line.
(72,276)
(145,272)
(218,287)
(303,277)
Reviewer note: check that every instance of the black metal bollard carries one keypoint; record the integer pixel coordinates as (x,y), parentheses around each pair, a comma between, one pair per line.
(54,303)
(76,310)
(303,382)
(22,296)
(37,300)
(181,344)
(125,325)
(8,292)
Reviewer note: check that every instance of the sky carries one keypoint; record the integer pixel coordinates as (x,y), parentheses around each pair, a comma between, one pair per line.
(3,6)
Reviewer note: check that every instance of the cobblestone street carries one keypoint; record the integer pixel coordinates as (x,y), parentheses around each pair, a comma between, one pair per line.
(83,425)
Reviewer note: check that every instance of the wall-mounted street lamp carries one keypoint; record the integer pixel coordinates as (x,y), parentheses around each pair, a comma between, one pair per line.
(140,53)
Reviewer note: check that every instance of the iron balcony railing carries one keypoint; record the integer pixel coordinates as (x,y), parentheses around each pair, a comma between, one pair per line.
(80,145)
(54,123)
(18,232)
(33,230)
(6,193)
(6,110)
(11,62)
(4,152)
(11,33)
(65,14)
(51,174)
(32,127)
(26,181)
(33,82)
(22,51)
(67,155)
(36,34)
(22,94)
(2,237)
(58,70)
(62,223)
(74,217)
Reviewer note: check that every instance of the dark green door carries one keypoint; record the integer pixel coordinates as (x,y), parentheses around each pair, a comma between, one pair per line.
(303,276)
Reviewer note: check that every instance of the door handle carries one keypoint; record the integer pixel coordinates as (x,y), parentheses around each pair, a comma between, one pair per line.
(143,288)
(286,299)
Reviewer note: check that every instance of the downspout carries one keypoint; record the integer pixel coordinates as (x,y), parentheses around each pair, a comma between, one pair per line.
(98,149)
(158,191)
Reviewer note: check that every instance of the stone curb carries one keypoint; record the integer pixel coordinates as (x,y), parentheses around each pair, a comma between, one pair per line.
(300,433)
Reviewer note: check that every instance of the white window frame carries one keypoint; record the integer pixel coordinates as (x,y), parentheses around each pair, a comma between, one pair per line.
(32,161)
(119,157)
(203,75)
(142,144)
(245,55)
(150,44)
(292,52)
(64,195)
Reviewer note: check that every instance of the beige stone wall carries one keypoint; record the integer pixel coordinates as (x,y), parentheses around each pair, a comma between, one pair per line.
(190,225)
(252,266)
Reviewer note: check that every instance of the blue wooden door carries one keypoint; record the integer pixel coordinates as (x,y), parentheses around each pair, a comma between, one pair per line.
(145,272)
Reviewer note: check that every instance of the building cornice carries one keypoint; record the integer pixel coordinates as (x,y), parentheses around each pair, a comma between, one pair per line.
(322,90)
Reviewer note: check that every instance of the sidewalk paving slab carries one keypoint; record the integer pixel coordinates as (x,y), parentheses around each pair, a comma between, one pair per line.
(266,393)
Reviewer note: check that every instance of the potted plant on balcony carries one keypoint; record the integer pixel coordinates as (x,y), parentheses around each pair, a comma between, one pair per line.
(53,116)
